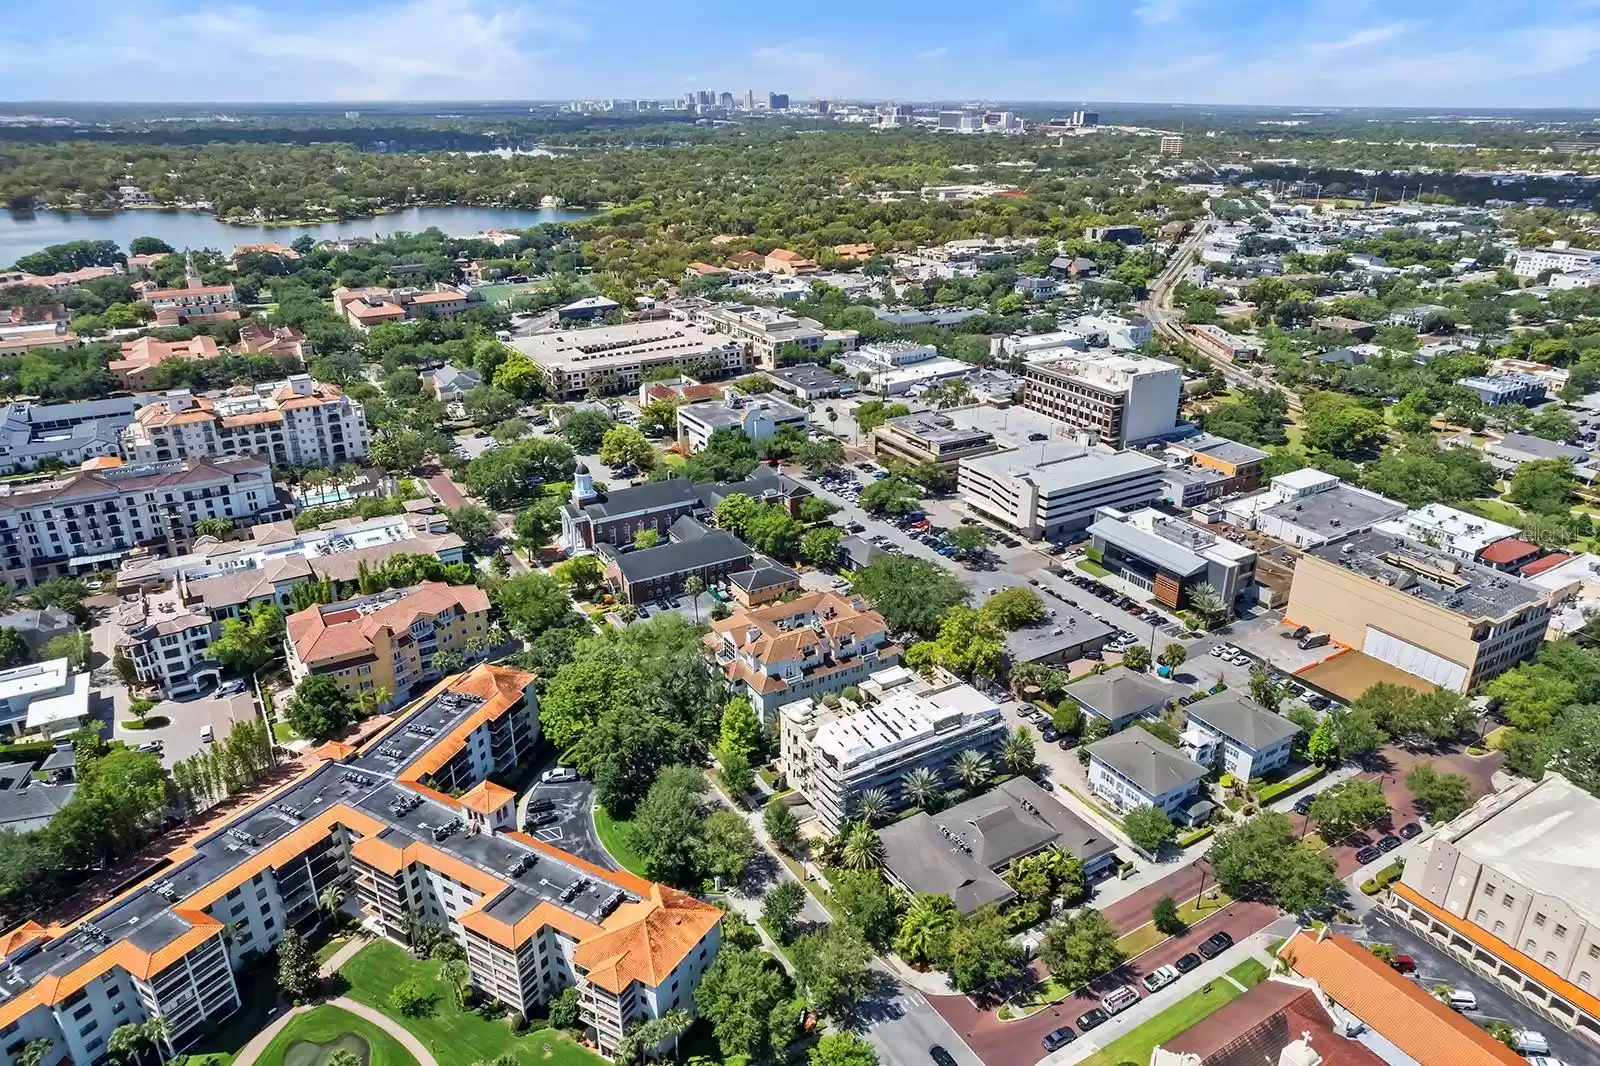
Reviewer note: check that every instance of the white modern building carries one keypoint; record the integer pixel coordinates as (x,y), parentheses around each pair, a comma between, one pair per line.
(1171,557)
(1124,400)
(1307,508)
(757,417)
(1558,256)
(614,358)
(1121,332)
(832,756)
(45,698)
(893,367)
(1448,530)
(763,331)
(298,422)
(1051,489)
(1231,733)
(69,433)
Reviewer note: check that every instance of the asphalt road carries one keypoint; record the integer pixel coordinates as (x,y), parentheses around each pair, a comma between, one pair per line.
(903,1025)
(1436,966)
(574,830)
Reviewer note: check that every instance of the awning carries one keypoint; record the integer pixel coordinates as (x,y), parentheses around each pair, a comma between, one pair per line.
(103,557)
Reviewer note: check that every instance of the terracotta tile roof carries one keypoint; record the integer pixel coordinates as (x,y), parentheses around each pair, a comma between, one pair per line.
(1396,1007)
(1585,1001)
(787,256)
(102,462)
(1549,562)
(646,941)
(1254,1029)
(21,936)
(178,294)
(321,636)
(486,797)
(1508,550)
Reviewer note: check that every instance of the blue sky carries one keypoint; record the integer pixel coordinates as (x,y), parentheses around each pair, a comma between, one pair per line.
(1447,53)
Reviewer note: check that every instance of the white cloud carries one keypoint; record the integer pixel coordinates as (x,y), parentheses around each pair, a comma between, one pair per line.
(932,55)
(1361,38)
(1156,12)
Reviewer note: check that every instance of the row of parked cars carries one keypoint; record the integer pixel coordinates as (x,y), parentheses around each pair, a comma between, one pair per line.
(1112,596)
(1370,850)
(1121,998)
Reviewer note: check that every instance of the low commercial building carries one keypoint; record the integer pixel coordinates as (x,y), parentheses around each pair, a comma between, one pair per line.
(928,316)
(451,383)
(757,417)
(895,367)
(1189,487)
(1239,464)
(43,698)
(801,648)
(765,581)
(414,826)
(141,357)
(1133,768)
(831,756)
(1446,529)
(1307,508)
(1231,733)
(930,437)
(575,360)
(763,332)
(1171,558)
(1123,400)
(388,641)
(1504,389)
(38,626)
(1451,622)
(1121,333)
(259,338)
(1052,489)
(1216,341)
(1119,697)
(1509,888)
(690,549)
(364,308)
(1514,449)
(298,422)
(65,433)
(587,309)
(56,528)
(808,381)
(961,851)
(1275,1022)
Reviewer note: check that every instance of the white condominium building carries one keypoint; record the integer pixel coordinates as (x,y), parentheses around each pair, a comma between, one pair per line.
(1053,488)
(832,756)
(297,422)
(764,330)
(616,357)
(1124,400)
(1559,256)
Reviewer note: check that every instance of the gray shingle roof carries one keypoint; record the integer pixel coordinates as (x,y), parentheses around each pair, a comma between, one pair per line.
(1149,762)
(1119,693)
(710,549)
(1242,721)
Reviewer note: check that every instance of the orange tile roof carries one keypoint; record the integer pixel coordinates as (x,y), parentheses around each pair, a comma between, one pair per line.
(332,749)
(21,936)
(500,687)
(199,290)
(321,637)
(1585,1001)
(103,462)
(486,797)
(514,935)
(1394,1006)
(646,941)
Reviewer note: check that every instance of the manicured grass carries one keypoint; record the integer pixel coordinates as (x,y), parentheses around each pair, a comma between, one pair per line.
(614,838)
(1494,510)
(1148,936)
(283,732)
(328,950)
(1498,739)
(1089,566)
(454,1036)
(1137,1045)
(326,1023)
(1250,972)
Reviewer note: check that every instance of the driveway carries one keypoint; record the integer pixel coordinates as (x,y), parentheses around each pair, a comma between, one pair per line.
(1436,966)
(574,831)
(181,736)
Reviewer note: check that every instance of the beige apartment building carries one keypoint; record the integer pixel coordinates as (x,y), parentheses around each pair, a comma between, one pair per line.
(298,422)
(574,360)
(1509,888)
(764,331)
(1446,620)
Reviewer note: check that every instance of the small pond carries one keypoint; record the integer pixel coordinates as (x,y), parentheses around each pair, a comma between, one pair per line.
(307,1053)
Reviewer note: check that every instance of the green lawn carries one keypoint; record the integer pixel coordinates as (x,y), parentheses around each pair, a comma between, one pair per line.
(1494,511)
(1148,936)
(454,1036)
(329,949)
(614,838)
(258,992)
(323,1024)
(1250,972)
(1137,1045)
(1089,566)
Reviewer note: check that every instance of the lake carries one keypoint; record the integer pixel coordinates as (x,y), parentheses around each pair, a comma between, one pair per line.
(25,232)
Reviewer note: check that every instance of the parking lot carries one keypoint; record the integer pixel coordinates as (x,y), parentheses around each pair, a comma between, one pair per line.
(572,802)
(180,737)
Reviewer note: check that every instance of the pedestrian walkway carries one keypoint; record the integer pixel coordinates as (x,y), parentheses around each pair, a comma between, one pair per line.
(343,955)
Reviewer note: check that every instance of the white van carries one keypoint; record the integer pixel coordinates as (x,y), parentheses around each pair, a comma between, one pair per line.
(1120,999)
(1462,999)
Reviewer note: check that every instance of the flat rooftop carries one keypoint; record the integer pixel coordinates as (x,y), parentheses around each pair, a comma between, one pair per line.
(1058,467)
(1545,840)
(605,346)
(1335,511)
(1464,588)
(938,428)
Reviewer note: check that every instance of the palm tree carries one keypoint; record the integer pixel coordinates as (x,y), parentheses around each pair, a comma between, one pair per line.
(973,768)
(370,701)
(926,928)
(861,848)
(1208,602)
(1136,657)
(923,787)
(873,806)
(343,1056)
(155,1031)
(331,899)
(34,1052)
(693,586)
(126,1043)
(1017,751)
(455,974)
(1174,655)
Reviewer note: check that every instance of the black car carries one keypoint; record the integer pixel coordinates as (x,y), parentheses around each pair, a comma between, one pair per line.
(1409,830)
(539,821)
(1215,945)
(539,806)
(1303,804)
(1089,1019)
(1389,843)
(1058,1038)
(1367,854)
(1187,963)
(939,1055)
(1049,734)
(1067,743)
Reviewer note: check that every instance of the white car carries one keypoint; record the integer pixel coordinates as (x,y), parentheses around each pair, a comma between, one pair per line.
(1160,977)
(1544,1060)
(560,773)
(1530,1042)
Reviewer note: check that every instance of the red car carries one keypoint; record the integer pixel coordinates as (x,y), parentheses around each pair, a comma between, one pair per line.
(1404,963)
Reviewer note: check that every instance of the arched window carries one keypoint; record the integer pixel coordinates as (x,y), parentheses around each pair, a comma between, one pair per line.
(1583,979)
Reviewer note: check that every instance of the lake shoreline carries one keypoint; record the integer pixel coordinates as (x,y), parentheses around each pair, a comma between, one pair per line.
(325,220)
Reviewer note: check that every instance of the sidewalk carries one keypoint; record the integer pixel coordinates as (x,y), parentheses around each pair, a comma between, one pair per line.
(1150,1006)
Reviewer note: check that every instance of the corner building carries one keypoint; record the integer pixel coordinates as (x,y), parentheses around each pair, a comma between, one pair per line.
(532,918)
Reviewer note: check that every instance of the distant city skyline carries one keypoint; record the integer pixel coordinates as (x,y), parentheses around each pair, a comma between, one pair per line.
(1469,53)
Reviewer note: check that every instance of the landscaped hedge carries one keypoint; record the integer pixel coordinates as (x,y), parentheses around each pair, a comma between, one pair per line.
(1391,873)
(1272,792)
(1196,836)
(32,747)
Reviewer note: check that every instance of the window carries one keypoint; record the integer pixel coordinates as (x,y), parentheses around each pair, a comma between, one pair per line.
(1481,917)
(1499,927)
(1530,947)
(1594,951)
(1538,920)
(1489,891)
(1584,979)
(1561,932)
(1506,900)
(1549,958)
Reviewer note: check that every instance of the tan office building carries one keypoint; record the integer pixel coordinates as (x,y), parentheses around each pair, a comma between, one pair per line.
(1440,618)
(930,437)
